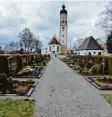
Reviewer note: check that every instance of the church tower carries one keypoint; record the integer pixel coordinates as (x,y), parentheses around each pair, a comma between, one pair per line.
(63,29)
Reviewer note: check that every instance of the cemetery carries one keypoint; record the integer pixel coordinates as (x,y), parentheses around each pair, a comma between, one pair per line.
(21,67)
(96,69)
(50,70)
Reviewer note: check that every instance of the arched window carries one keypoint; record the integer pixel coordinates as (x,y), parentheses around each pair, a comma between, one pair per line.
(57,48)
(63,28)
(49,48)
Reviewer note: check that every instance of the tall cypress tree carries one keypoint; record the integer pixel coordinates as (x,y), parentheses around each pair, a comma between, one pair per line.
(109,42)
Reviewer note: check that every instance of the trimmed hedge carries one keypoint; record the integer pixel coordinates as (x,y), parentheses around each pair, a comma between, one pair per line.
(20,61)
(96,60)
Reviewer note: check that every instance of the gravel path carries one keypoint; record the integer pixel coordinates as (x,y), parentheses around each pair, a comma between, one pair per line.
(62,93)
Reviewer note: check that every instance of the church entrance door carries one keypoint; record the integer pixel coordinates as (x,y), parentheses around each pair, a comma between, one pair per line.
(53,53)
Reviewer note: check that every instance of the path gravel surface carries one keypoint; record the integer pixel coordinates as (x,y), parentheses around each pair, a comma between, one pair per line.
(63,93)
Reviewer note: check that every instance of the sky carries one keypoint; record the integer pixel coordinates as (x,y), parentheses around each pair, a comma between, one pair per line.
(42,17)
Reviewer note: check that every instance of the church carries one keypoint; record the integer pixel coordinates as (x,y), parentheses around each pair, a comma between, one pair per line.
(58,45)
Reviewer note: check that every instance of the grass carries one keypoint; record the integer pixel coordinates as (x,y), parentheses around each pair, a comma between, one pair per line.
(16,108)
(108,97)
(102,83)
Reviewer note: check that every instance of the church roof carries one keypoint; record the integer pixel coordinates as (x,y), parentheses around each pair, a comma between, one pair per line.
(54,41)
(63,10)
(90,44)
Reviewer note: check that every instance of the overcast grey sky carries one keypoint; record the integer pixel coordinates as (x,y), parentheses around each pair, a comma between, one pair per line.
(42,17)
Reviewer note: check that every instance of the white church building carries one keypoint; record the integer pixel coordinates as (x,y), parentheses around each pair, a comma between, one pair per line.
(59,45)
(54,47)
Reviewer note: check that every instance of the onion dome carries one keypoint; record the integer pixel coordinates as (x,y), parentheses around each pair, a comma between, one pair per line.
(63,10)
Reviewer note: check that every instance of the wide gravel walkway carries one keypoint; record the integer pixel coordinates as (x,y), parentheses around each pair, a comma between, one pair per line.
(62,93)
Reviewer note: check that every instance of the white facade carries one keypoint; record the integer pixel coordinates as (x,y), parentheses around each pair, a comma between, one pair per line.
(93,52)
(63,29)
(54,49)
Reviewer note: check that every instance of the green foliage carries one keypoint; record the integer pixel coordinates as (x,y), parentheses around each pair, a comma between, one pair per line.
(29,81)
(109,42)
(85,70)
(108,98)
(110,65)
(44,63)
(99,68)
(16,108)
(3,78)
(96,68)
(27,68)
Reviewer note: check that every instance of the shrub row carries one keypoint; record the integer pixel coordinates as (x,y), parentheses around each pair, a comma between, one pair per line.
(7,62)
(95,59)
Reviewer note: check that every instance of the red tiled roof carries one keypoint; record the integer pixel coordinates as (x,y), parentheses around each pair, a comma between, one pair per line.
(54,41)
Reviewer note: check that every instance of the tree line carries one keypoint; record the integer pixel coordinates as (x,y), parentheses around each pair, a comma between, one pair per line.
(27,42)
(104,22)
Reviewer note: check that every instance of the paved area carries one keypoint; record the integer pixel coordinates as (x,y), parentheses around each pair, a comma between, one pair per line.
(62,93)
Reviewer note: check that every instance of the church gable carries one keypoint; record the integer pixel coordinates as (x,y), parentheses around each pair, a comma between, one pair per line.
(54,41)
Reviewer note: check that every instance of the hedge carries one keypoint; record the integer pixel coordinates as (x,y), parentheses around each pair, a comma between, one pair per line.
(96,59)
(20,60)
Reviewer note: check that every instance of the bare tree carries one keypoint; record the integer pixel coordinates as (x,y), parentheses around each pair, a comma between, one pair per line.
(104,20)
(0,47)
(26,37)
(37,44)
(6,48)
(77,43)
(17,45)
(12,45)
(27,40)
(30,40)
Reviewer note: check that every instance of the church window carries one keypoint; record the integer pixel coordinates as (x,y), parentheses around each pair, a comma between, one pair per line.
(63,35)
(99,53)
(53,45)
(63,21)
(63,41)
(49,48)
(57,48)
(66,21)
(63,28)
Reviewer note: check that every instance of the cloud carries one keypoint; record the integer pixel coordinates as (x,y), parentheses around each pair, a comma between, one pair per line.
(42,17)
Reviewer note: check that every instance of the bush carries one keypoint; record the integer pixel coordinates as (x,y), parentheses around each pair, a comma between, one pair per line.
(44,63)
(29,81)
(3,78)
(85,71)
(99,68)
